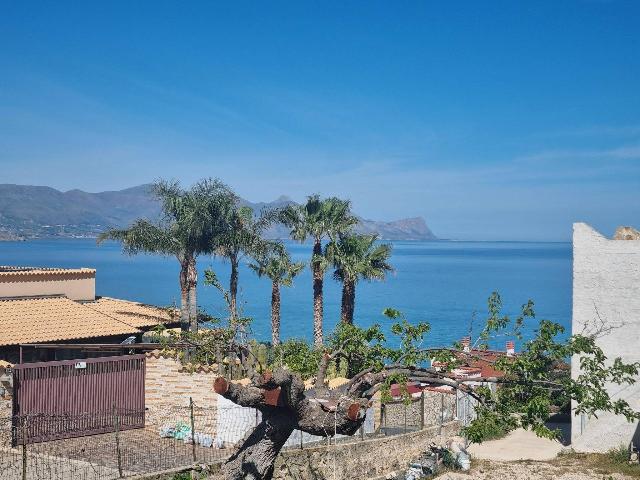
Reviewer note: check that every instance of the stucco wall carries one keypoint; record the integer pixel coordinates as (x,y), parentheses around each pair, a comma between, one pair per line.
(74,285)
(606,288)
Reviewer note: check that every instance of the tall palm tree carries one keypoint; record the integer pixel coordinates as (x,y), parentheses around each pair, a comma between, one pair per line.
(242,236)
(276,265)
(190,219)
(357,257)
(318,219)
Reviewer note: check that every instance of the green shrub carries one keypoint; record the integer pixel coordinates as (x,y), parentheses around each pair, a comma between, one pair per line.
(487,427)
(619,454)
(182,476)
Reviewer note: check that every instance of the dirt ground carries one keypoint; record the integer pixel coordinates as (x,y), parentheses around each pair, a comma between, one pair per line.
(565,467)
(95,457)
(517,445)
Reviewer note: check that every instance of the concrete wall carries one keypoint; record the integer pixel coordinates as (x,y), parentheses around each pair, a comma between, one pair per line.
(74,284)
(359,460)
(606,288)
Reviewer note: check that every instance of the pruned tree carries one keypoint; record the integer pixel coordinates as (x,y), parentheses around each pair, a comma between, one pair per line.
(521,398)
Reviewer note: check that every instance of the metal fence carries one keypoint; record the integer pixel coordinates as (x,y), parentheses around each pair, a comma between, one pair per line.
(43,391)
(178,437)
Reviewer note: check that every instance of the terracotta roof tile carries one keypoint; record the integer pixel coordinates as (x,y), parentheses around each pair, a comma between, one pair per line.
(136,314)
(52,319)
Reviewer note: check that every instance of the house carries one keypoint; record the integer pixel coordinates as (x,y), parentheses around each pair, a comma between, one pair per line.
(606,303)
(477,362)
(59,306)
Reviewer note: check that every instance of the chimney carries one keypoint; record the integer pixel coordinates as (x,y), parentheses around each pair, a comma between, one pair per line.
(466,342)
(511,348)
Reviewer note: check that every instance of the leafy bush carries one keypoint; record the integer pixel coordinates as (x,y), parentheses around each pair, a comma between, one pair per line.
(488,426)
(299,356)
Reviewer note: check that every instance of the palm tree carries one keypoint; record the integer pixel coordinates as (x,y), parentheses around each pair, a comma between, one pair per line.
(242,236)
(317,219)
(190,220)
(276,265)
(357,257)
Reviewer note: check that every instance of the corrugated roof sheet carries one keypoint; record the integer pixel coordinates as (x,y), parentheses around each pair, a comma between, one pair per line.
(53,319)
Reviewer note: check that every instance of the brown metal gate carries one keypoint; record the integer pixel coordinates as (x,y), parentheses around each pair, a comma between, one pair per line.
(74,398)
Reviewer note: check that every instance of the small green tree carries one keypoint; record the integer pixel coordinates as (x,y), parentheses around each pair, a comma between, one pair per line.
(275,263)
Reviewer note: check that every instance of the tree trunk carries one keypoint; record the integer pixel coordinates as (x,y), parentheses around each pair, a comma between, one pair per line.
(318,275)
(233,287)
(281,397)
(348,301)
(192,275)
(275,313)
(184,295)
(255,458)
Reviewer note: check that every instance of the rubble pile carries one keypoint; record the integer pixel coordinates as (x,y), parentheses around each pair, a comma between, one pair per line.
(436,459)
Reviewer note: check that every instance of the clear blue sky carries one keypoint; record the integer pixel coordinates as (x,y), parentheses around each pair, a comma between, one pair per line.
(493,120)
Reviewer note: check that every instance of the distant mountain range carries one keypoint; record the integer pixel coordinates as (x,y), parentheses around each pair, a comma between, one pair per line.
(35,212)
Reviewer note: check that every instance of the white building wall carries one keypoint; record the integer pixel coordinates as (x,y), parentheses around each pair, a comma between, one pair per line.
(606,287)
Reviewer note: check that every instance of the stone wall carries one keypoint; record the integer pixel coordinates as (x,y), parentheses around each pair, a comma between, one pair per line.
(168,386)
(606,292)
(359,460)
(438,407)
(5,422)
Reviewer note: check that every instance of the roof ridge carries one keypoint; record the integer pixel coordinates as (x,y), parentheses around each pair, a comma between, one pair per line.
(35,297)
(13,270)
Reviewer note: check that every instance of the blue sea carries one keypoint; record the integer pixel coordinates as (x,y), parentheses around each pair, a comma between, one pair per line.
(444,283)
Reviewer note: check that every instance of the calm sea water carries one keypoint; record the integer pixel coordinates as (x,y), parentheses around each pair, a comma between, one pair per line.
(440,282)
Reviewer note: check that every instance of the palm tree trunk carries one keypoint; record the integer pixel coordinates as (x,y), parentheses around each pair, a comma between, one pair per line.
(193,295)
(233,287)
(318,275)
(275,314)
(184,295)
(348,301)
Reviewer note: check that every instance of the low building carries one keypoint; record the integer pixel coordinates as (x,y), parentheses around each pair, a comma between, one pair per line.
(478,362)
(55,305)
(606,302)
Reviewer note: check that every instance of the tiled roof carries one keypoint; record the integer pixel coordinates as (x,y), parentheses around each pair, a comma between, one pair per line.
(136,314)
(485,361)
(54,319)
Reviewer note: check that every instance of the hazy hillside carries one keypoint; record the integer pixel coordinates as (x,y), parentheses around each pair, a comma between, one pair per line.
(32,211)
